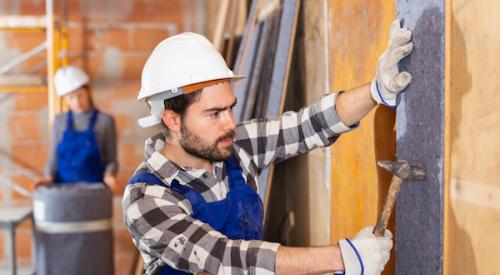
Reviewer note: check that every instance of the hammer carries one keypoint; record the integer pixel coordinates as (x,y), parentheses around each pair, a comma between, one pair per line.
(401,170)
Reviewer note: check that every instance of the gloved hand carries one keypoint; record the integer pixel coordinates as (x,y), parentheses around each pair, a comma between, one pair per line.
(388,81)
(366,254)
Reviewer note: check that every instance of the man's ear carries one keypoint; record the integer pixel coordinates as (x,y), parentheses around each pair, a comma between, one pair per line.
(172,120)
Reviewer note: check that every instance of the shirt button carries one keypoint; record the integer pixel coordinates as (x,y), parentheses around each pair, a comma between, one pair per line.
(205,175)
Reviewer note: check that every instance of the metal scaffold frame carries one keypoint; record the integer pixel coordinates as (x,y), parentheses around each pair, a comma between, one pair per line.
(55,46)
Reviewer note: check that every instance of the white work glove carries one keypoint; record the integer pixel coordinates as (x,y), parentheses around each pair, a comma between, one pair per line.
(388,81)
(366,252)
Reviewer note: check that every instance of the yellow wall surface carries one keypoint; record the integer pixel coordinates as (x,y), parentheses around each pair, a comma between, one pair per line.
(358,33)
(473,211)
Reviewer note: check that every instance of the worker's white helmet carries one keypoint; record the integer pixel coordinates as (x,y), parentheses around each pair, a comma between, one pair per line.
(178,65)
(68,79)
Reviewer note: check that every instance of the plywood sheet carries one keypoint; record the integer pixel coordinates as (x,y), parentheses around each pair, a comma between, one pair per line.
(473,217)
(357,186)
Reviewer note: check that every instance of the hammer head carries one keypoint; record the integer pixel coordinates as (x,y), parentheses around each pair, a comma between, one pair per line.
(402,169)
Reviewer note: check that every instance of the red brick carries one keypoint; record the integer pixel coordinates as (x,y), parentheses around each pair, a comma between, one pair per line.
(24,182)
(123,240)
(136,38)
(125,11)
(134,153)
(78,38)
(119,38)
(117,92)
(123,262)
(31,156)
(24,41)
(31,102)
(96,64)
(146,39)
(121,183)
(3,245)
(133,64)
(124,123)
(26,127)
(23,243)
(31,7)
(26,224)
(117,216)
(33,62)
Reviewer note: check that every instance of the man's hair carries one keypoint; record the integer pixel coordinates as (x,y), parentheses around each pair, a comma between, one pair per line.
(179,104)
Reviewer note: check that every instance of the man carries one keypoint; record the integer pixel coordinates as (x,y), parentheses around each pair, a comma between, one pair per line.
(192,204)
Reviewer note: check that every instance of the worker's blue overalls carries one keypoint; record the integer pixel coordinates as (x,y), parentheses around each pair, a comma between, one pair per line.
(238,216)
(78,155)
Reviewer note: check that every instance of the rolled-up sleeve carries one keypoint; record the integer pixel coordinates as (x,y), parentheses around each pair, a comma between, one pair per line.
(272,140)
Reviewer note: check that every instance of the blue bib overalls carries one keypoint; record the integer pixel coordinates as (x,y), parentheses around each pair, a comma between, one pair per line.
(238,216)
(78,155)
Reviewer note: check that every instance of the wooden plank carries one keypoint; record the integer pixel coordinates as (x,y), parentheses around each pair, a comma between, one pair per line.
(22,80)
(358,187)
(447,136)
(245,60)
(260,72)
(473,213)
(267,9)
(279,81)
(23,89)
(19,23)
(231,31)
(262,87)
(308,176)
(272,56)
(220,25)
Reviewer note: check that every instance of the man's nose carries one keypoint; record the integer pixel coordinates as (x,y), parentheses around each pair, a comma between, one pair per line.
(229,123)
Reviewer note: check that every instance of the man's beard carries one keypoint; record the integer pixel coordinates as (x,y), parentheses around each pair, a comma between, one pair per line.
(192,144)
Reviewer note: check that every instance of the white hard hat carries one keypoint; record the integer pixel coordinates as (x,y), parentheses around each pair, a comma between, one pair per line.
(68,79)
(177,66)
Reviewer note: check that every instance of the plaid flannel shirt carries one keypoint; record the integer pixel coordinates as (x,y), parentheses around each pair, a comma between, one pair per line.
(160,221)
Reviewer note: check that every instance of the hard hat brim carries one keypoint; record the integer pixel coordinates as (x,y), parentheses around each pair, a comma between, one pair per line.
(197,86)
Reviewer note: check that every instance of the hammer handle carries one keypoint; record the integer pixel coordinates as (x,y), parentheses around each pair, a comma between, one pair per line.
(390,200)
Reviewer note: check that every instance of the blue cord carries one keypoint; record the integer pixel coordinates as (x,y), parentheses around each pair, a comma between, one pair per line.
(382,98)
(357,254)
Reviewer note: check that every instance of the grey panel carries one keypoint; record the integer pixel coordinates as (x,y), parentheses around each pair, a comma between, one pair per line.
(420,139)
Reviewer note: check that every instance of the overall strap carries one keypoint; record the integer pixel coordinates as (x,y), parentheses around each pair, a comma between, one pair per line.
(69,120)
(152,179)
(92,121)
(195,199)
(148,178)
(234,172)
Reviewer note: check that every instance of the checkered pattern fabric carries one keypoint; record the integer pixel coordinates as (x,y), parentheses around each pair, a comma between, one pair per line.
(160,221)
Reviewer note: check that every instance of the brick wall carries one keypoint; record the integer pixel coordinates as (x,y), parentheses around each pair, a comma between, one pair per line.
(111,39)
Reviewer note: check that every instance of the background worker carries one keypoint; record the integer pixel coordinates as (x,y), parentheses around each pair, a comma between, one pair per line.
(83,144)
(192,205)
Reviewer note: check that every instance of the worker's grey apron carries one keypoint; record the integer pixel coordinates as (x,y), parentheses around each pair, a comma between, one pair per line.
(73,230)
